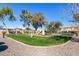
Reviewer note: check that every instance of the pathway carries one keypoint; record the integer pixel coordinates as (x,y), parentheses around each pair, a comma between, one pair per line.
(17,49)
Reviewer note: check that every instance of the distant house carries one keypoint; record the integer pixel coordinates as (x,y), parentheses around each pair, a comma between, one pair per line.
(19,30)
(11,30)
(71,28)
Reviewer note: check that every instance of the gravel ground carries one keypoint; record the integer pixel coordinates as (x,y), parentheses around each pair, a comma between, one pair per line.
(15,48)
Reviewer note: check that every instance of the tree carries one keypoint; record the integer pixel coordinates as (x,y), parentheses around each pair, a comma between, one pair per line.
(6,11)
(73,12)
(76,18)
(25,18)
(54,26)
(37,20)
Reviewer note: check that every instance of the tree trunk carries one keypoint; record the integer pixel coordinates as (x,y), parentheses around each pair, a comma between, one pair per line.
(4,32)
(36,31)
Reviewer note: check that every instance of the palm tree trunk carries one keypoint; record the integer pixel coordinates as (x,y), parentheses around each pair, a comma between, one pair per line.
(4,32)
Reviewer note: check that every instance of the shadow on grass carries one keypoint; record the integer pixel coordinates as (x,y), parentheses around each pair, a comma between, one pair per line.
(2,46)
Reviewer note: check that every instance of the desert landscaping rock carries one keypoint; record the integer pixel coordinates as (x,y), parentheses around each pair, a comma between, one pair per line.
(17,49)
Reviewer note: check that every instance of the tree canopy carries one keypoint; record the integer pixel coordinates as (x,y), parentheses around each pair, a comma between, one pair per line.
(6,11)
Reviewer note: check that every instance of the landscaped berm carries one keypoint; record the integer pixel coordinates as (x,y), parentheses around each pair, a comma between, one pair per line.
(40,41)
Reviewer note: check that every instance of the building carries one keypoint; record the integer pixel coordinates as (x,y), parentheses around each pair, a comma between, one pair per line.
(3,30)
(7,31)
(19,31)
(71,28)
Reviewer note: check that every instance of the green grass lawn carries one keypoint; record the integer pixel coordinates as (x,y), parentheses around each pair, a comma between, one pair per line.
(40,41)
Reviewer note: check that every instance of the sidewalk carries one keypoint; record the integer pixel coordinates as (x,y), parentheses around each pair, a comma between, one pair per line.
(17,49)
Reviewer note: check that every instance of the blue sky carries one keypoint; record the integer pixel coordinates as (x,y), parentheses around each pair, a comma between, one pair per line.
(51,11)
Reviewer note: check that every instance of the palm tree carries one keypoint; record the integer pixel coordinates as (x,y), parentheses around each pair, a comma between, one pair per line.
(6,11)
(25,18)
